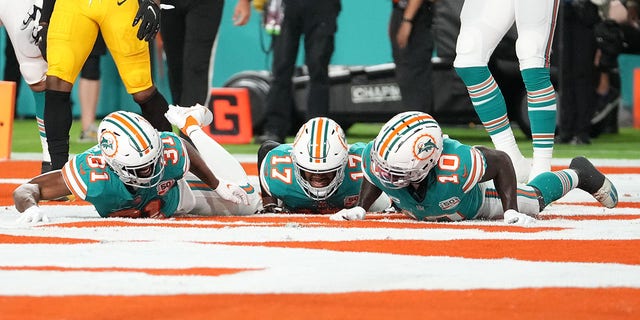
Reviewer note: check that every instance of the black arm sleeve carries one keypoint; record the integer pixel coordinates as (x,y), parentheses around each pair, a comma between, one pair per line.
(265,147)
(47,10)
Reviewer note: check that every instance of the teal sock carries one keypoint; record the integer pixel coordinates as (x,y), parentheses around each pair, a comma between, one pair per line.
(486,97)
(541,98)
(554,185)
(39,99)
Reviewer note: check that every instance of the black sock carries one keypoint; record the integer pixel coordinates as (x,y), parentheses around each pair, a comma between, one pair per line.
(153,110)
(57,123)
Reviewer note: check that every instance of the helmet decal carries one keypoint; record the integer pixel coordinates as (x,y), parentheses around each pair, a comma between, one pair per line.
(424,147)
(317,145)
(342,138)
(394,133)
(406,148)
(141,141)
(108,144)
(299,134)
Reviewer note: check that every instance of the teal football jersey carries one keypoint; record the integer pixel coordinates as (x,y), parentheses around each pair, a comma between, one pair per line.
(450,191)
(278,173)
(90,178)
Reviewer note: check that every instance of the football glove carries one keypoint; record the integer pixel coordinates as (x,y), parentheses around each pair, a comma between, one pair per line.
(148,16)
(514,217)
(232,192)
(33,215)
(355,213)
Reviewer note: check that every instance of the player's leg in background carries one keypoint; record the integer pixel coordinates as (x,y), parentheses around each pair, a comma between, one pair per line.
(536,22)
(133,60)
(483,24)
(11,68)
(33,67)
(69,41)
(89,91)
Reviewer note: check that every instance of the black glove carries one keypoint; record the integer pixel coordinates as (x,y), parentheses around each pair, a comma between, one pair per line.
(40,38)
(272,208)
(149,13)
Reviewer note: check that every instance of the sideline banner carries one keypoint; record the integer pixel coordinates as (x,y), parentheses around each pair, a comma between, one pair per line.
(7,107)
(231,110)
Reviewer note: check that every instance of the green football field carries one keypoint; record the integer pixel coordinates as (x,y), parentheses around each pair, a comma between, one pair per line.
(623,145)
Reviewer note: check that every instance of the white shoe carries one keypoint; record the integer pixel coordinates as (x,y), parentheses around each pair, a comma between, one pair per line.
(522,167)
(189,118)
(538,167)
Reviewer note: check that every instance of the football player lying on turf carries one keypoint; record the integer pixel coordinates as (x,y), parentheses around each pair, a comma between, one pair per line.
(432,177)
(137,172)
(318,173)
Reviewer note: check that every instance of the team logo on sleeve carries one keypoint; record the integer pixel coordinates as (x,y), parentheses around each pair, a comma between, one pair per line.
(164,187)
(108,144)
(449,204)
(350,201)
(424,147)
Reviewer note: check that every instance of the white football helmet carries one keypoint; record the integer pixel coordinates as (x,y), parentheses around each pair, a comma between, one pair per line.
(320,147)
(131,146)
(406,148)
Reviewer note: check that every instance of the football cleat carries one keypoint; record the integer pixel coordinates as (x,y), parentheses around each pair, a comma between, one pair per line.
(594,182)
(189,118)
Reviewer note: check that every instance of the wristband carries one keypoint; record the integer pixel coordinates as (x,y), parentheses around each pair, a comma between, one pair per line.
(405,19)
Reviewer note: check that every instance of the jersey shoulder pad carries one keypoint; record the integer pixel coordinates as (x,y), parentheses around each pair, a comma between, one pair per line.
(357,148)
(471,162)
(366,163)
(353,169)
(86,171)
(276,170)
(281,150)
(175,155)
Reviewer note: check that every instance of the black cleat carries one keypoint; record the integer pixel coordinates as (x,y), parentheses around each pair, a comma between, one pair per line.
(594,182)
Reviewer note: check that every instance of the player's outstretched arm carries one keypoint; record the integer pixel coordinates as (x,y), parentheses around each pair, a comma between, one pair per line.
(500,170)
(226,190)
(368,195)
(47,186)
(269,202)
